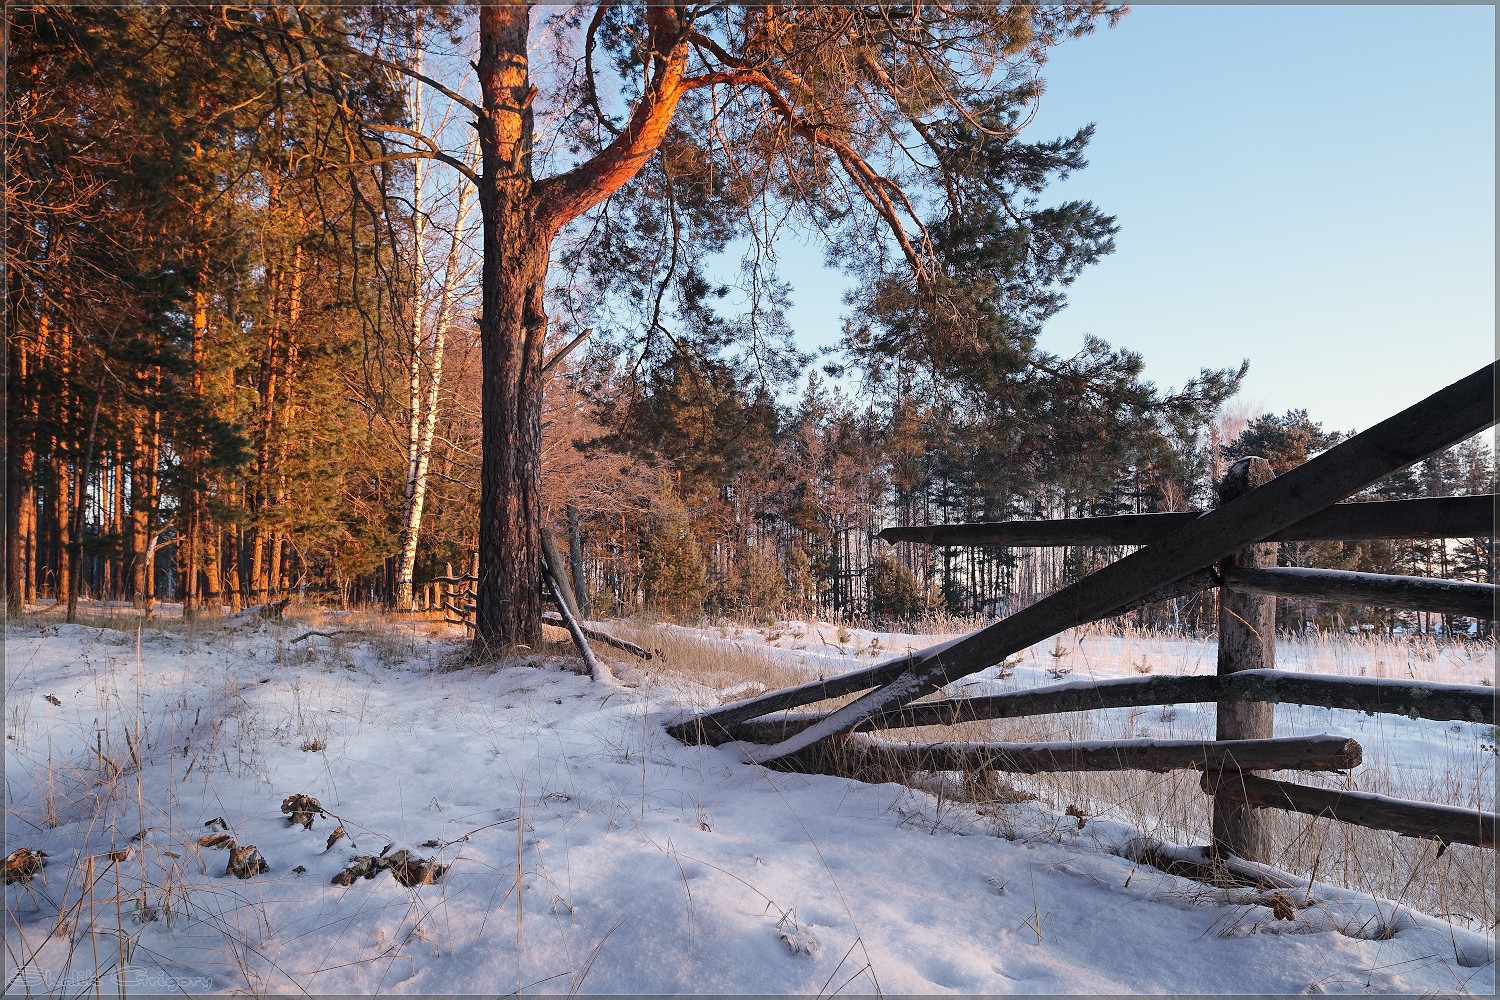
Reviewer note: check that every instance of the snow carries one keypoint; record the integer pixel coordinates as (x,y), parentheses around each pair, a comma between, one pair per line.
(592,853)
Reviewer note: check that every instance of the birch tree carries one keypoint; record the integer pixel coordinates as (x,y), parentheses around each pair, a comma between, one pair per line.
(438,290)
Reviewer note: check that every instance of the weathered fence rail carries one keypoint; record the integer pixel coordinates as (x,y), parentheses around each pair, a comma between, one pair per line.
(1227,547)
(1413,593)
(1428,820)
(1310,753)
(1430,517)
(1372,695)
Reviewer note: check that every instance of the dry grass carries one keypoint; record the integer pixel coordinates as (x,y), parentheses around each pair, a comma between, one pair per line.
(1458,882)
(723,671)
(101,912)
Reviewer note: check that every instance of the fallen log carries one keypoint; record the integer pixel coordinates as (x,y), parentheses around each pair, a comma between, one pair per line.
(263,612)
(1424,820)
(326,635)
(1199,864)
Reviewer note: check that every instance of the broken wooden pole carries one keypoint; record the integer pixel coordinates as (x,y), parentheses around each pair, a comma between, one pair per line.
(1449,824)
(598,670)
(554,566)
(575,563)
(1413,593)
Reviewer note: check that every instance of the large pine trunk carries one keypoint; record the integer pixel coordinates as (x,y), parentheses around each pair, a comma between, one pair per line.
(511,335)
(512,331)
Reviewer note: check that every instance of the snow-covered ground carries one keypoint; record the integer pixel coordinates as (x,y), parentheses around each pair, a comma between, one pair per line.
(589,852)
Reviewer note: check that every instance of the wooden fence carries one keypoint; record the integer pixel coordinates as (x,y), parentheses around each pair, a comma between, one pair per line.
(1231,548)
(455,597)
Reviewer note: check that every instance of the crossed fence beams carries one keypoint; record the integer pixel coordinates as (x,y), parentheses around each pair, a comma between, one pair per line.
(1182,553)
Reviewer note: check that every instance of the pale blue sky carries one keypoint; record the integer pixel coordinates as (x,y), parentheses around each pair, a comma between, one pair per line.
(1309,188)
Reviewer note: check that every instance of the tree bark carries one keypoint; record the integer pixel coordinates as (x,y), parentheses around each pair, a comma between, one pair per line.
(521,217)
(512,331)
(140,517)
(80,505)
(575,562)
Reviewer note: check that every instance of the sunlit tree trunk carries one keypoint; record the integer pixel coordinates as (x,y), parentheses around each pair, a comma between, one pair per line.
(512,330)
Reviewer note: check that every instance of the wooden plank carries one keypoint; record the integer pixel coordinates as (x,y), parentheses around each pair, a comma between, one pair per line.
(1442,419)
(1415,593)
(1426,820)
(1307,753)
(1428,517)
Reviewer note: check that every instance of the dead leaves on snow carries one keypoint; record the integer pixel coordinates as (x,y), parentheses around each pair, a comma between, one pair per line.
(406,867)
(1282,907)
(22,863)
(302,809)
(246,862)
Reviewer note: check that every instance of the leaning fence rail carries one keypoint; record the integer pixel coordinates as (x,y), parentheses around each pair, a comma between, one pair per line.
(1228,548)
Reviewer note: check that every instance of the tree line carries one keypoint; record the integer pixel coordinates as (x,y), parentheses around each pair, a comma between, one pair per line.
(270,329)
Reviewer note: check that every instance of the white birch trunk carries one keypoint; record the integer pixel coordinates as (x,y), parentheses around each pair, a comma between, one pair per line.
(423,407)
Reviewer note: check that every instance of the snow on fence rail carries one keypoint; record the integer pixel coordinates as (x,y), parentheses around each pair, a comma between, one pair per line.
(1228,547)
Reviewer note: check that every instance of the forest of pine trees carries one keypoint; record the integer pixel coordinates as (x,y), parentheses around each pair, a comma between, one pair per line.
(242,362)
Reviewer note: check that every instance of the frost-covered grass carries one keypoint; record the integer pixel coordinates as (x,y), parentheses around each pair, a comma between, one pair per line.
(588,852)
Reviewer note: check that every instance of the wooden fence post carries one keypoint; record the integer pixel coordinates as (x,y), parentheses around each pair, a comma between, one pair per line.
(1247,641)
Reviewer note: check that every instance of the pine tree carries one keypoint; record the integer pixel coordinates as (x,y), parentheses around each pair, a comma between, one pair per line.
(673,573)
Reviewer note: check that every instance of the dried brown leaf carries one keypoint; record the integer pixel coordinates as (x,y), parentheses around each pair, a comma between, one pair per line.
(1281,906)
(246,862)
(22,863)
(302,809)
